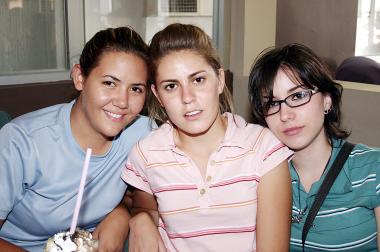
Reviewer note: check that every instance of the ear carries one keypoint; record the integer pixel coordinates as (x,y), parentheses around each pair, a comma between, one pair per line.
(327,102)
(154,90)
(78,78)
(221,80)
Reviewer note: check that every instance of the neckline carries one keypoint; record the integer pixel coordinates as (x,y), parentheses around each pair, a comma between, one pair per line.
(325,169)
(297,218)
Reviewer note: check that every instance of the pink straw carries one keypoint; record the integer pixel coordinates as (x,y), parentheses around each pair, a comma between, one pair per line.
(80,191)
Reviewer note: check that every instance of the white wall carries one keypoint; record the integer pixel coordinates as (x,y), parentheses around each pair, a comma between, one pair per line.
(154,24)
(361,112)
(253,28)
(101,14)
(326,26)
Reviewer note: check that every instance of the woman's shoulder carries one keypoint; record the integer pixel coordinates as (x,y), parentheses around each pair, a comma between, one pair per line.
(363,156)
(239,130)
(159,137)
(365,153)
(39,119)
(157,141)
(151,136)
(35,129)
(240,124)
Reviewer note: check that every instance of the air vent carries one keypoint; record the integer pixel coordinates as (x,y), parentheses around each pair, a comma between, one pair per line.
(178,7)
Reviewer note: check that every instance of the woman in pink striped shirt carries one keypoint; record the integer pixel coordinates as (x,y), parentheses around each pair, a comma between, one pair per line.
(210,181)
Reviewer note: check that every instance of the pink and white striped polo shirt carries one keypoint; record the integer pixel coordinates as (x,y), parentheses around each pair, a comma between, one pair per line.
(213,214)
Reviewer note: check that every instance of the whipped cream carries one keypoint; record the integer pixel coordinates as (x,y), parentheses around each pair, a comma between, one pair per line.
(80,241)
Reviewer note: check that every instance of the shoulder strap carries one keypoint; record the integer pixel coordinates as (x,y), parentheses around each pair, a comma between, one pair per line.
(325,188)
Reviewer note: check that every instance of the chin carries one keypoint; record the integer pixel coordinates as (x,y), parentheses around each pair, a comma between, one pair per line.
(194,131)
(111,133)
(296,146)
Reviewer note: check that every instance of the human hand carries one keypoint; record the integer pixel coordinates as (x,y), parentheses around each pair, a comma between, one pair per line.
(6,246)
(112,232)
(144,235)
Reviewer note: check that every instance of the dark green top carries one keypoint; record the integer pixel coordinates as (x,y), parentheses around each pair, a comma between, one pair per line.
(346,220)
(4,118)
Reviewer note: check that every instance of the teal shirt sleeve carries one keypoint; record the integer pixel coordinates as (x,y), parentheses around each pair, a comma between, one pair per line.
(4,118)
(376,170)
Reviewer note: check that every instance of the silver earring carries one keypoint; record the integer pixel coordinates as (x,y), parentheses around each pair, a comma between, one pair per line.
(327,111)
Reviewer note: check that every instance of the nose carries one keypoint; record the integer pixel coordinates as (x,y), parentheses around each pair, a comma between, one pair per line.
(121,99)
(286,112)
(187,94)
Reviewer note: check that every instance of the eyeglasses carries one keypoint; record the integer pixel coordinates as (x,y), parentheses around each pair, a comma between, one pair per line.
(294,100)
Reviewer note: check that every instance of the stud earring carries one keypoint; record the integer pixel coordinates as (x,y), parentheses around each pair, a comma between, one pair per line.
(327,111)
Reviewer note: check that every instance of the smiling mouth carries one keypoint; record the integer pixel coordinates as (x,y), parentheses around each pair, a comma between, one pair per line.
(112,115)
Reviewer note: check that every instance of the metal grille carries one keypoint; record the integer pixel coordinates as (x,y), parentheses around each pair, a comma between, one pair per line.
(182,6)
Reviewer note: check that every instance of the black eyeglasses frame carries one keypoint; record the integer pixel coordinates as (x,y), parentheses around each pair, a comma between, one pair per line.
(311,92)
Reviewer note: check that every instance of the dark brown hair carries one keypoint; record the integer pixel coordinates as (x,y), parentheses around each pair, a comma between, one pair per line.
(301,64)
(121,39)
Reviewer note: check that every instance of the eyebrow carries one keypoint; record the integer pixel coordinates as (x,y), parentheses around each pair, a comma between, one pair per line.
(290,91)
(139,84)
(112,77)
(190,76)
(168,80)
(118,80)
(193,74)
(294,89)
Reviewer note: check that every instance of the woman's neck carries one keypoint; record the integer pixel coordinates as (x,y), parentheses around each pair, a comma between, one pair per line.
(200,147)
(211,138)
(311,162)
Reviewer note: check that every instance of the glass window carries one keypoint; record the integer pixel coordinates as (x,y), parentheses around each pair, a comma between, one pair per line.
(147,17)
(32,36)
(40,40)
(368,29)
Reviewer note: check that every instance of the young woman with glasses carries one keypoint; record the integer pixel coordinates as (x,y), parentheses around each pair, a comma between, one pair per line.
(292,93)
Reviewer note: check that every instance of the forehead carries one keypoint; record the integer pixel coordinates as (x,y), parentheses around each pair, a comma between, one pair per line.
(285,82)
(181,64)
(121,65)
(186,57)
(111,54)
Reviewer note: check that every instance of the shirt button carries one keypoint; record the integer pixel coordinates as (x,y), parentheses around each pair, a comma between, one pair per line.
(202,191)
(212,162)
(208,179)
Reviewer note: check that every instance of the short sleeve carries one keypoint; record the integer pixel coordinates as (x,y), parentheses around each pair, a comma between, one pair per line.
(376,171)
(273,152)
(15,151)
(134,171)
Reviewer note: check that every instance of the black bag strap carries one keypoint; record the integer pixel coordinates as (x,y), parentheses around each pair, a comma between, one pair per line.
(325,188)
